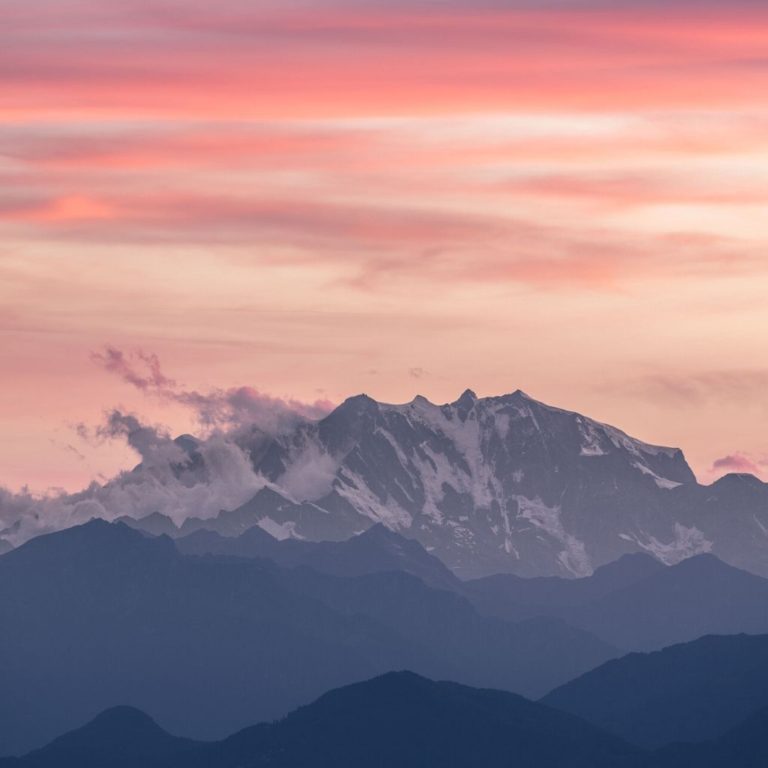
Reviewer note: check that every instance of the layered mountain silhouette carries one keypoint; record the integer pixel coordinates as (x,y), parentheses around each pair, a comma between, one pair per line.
(637,603)
(697,597)
(101,614)
(744,746)
(497,542)
(398,719)
(516,597)
(491,485)
(375,550)
(210,633)
(120,737)
(690,692)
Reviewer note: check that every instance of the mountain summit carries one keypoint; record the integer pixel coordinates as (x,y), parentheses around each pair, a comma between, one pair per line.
(499,484)
(488,485)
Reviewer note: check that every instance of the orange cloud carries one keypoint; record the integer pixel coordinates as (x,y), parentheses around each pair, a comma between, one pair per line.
(386,241)
(61,210)
(76,208)
(310,183)
(651,188)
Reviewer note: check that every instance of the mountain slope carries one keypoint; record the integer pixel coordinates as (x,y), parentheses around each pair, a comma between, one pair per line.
(404,720)
(745,746)
(491,484)
(121,737)
(690,692)
(101,615)
(399,719)
(529,657)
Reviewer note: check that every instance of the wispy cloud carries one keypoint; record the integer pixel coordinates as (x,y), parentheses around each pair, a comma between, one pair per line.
(377,56)
(235,408)
(376,243)
(734,386)
(740,463)
(140,369)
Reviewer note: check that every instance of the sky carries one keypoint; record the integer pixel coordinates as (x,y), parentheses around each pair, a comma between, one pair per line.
(316,199)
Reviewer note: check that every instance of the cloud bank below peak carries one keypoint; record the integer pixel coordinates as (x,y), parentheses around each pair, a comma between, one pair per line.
(178,477)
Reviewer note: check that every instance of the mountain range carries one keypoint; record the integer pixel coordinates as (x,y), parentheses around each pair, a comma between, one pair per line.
(398,719)
(101,614)
(210,633)
(636,603)
(375,550)
(489,485)
(499,543)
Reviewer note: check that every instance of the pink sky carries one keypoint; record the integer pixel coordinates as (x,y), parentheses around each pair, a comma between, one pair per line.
(322,198)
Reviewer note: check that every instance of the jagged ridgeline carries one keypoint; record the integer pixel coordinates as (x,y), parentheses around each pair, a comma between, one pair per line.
(497,484)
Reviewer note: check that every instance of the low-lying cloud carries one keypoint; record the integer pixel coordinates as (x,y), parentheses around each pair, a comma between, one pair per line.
(180,478)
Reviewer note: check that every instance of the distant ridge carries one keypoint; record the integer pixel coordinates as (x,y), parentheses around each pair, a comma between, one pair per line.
(210,643)
(399,719)
(120,737)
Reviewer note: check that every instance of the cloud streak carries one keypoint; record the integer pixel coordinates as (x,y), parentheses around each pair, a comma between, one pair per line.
(235,408)
(200,60)
(374,243)
(116,362)
(727,386)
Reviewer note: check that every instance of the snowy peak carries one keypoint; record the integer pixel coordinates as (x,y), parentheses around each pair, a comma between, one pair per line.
(496,484)
(353,409)
(465,404)
(486,483)
(467,396)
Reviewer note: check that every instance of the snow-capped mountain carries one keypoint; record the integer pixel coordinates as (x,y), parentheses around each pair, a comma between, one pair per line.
(499,484)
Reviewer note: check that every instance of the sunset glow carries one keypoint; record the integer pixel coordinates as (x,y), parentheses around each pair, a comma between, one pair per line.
(322,198)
